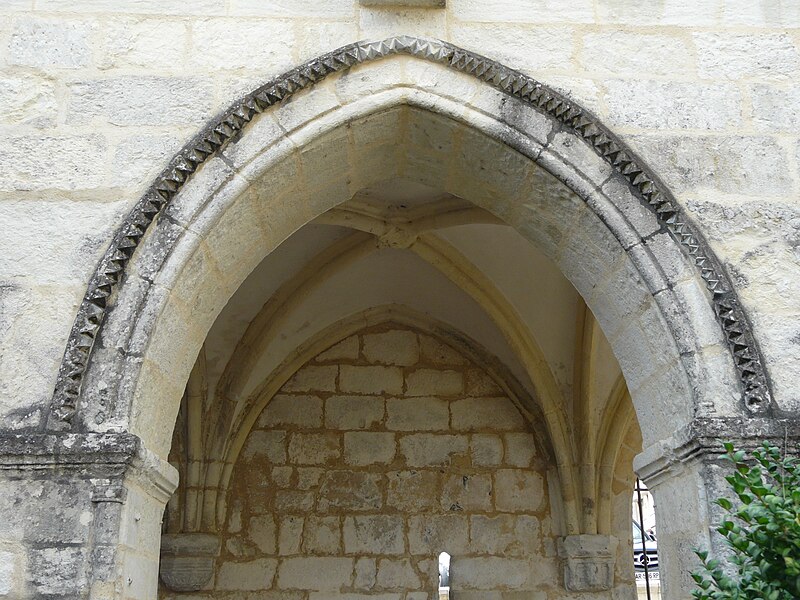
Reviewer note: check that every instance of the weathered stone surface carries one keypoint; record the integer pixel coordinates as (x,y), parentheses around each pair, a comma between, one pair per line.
(346,349)
(432,534)
(740,164)
(52,61)
(290,535)
(549,47)
(314,448)
(505,535)
(439,353)
(396,347)
(588,562)
(490,573)
(144,100)
(420,450)
(28,165)
(147,43)
(393,574)
(486,450)
(520,449)
(347,490)
(315,573)
(270,444)
(353,412)
(429,382)
(367,447)
(518,490)
(658,105)
(417,414)
(300,411)
(467,492)
(374,534)
(413,491)
(371,380)
(322,535)
(262,531)
(472,414)
(51,43)
(28,100)
(366,573)
(537,11)
(627,53)
(313,378)
(738,56)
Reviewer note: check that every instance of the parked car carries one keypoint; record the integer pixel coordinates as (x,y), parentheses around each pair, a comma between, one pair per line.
(645,550)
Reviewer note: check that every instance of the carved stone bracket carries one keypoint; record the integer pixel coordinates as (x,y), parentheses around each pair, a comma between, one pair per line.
(588,562)
(404,3)
(187,560)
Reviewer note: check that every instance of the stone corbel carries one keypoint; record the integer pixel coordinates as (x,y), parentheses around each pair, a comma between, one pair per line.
(405,3)
(588,562)
(187,560)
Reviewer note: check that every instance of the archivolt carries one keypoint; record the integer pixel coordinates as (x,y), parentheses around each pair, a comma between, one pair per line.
(571,117)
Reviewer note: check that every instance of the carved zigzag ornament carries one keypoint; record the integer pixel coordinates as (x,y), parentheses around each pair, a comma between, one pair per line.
(570,116)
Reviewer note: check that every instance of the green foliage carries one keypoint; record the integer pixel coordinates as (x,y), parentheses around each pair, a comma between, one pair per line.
(762,530)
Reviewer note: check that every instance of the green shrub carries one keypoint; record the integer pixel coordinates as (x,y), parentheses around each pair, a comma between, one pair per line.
(762,530)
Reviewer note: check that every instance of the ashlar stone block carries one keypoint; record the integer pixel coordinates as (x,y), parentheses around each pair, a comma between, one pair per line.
(350,491)
(486,450)
(315,573)
(505,535)
(518,490)
(313,378)
(431,534)
(299,411)
(251,575)
(371,379)
(418,414)
(263,531)
(366,573)
(394,574)
(520,449)
(269,444)
(363,448)
(473,414)
(399,347)
(353,412)
(322,535)
(487,573)
(374,534)
(433,382)
(413,491)
(314,448)
(347,349)
(290,534)
(439,353)
(467,493)
(423,450)
(51,43)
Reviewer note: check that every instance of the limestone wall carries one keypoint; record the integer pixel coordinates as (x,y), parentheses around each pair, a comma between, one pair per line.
(95,96)
(384,451)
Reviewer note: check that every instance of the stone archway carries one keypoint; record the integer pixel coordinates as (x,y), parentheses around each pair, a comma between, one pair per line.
(252,177)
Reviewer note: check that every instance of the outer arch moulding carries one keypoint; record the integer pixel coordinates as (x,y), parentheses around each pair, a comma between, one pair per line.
(643,183)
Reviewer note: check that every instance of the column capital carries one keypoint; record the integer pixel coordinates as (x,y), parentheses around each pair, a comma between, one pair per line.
(702,439)
(105,458)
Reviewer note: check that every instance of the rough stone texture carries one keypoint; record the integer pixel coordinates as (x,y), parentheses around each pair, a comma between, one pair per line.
(394,490)
(51,49)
